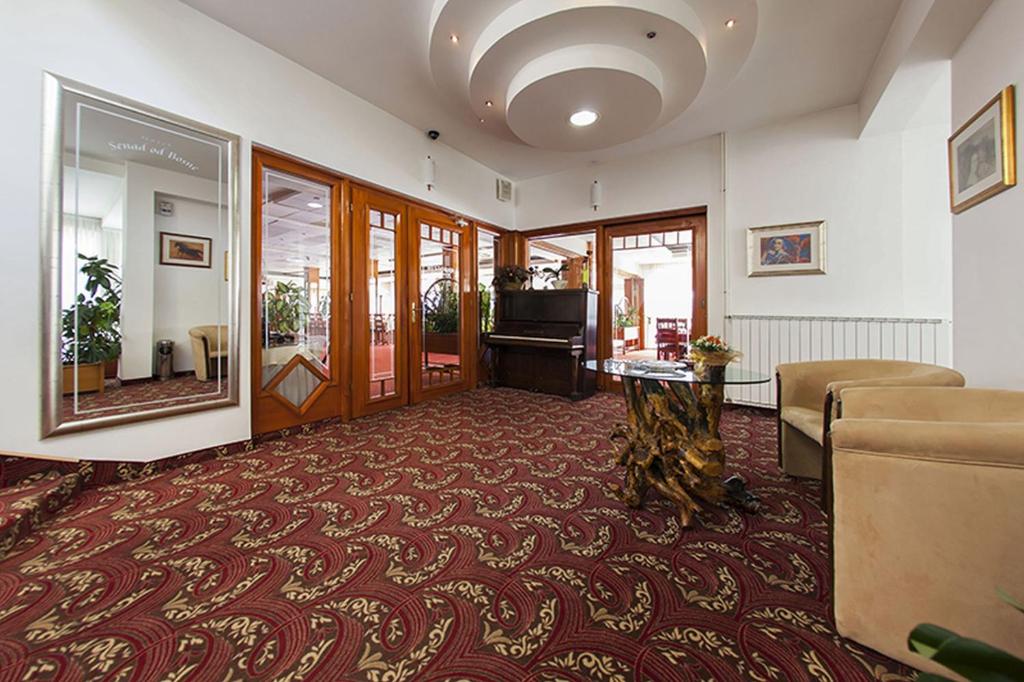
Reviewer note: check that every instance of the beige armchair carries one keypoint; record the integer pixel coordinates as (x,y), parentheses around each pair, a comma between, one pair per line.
(209,344)
(927,515)
(806,401)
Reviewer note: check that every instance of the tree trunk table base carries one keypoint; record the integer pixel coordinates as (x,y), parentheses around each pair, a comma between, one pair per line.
(671,443)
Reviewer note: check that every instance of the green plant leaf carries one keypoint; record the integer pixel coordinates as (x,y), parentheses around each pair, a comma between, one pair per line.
(970,658)
(1009,600)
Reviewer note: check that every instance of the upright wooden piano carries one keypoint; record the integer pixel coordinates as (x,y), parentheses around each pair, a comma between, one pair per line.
(541,340)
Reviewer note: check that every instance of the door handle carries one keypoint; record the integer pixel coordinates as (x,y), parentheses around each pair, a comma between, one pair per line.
(413,312)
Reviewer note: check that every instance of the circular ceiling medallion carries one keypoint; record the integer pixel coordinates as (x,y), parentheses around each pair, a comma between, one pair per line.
(526,66)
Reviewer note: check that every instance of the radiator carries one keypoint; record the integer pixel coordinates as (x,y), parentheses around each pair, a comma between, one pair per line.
(769,340)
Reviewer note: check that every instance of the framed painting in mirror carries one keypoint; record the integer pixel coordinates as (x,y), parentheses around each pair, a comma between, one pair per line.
(127,190)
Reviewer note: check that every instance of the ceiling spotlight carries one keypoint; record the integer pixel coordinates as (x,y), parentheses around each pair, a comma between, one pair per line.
(315,204)
(482,121)
(454,38)
(488,104)
(651,35)
(730,23)
(583,118)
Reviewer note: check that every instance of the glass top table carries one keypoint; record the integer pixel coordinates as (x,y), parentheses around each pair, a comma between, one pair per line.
(671,440)
(665,370)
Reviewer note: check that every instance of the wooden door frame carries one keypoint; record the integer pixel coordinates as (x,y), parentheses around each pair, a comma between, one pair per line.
(695,222)
(362,199)
(469,334)
(332,399)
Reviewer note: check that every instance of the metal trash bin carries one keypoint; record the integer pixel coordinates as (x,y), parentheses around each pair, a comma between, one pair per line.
(165,359)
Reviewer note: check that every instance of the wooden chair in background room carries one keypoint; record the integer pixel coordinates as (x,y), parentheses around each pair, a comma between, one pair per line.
(666,338)
(380,330)
(684,338)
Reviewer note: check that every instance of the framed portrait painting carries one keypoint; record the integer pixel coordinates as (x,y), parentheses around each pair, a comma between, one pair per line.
(982,154)
(185,250)
(794,249)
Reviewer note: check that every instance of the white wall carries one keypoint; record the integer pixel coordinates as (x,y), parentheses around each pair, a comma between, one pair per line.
(186,297)
(882,198)
(679,177)
(141,296)
(166,54)
(988,239)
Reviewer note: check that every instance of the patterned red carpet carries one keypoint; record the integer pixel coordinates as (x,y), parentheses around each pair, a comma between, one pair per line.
(120,399)
(469,538)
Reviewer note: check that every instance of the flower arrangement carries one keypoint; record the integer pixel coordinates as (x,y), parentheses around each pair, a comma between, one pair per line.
(511,277)
(711,351)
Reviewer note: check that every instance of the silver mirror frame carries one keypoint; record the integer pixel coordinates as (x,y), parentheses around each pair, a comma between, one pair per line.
(54,89)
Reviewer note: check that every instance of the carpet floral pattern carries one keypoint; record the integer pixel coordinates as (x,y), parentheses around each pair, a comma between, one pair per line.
(469,538)
(144,395)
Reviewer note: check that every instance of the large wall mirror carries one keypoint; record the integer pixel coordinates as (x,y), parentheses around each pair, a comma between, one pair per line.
(140,241)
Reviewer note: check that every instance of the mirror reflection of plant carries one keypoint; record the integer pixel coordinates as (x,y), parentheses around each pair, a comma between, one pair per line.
(441,308)
(285,306)
(96,333)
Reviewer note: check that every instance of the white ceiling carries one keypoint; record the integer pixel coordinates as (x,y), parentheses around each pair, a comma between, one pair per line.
(539,60)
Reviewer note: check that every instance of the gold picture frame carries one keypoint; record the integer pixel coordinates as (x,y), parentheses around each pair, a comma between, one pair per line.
(983,153)
(791,249)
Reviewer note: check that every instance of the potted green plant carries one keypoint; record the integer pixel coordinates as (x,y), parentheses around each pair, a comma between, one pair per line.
(511,277)
(555,275)
(285,306)
(91,328)
(441,317)
(970,658)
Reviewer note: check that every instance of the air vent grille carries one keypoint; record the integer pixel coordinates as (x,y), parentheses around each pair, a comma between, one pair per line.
(504,189)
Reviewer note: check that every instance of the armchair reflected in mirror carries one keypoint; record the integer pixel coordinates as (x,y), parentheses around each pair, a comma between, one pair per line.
(140,228)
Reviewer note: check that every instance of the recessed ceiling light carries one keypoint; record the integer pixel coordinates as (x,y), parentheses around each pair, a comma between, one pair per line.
(583,118)
(730,23)
(488,103)
(454,38)
(315,204)
(481,120)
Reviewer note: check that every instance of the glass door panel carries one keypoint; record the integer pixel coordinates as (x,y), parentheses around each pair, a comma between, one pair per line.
(440,324)
(295,287)
(299,295)
(379,339)
(383,292)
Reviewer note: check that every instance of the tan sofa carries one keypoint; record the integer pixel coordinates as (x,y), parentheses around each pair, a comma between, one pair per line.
(209,346)
(927,515)
(806,401)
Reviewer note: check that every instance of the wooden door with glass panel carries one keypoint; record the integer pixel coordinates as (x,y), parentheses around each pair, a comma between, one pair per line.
(442,319)
(656,274)
(380,264)
(297,256)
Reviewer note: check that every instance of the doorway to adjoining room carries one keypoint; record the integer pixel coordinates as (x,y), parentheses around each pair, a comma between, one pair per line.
(652,294)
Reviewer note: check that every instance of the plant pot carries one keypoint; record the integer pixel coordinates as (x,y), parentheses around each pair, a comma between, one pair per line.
(90,378)
(110,369)
(560,284)
(447,343)
(512,286)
